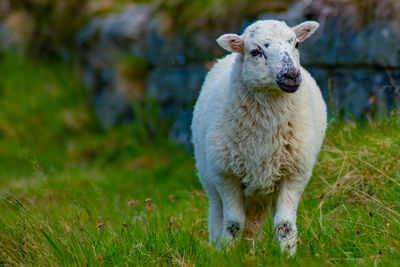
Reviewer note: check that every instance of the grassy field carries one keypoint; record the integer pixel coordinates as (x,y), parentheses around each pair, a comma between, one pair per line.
(71,194)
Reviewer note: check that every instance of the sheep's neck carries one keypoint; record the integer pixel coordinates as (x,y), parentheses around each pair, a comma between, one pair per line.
(262,108)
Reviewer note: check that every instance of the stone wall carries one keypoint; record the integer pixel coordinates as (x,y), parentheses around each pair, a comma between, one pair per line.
(130,55)
(175,64)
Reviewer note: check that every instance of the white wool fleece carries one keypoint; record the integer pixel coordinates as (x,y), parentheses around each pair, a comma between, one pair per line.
(256,144)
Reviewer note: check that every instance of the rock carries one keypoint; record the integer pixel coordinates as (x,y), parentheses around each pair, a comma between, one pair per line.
(358,92)
(163,49)
(16,29)
(175,88)
(292,17)
(117,28)
(180,131)
(340,45)
(110,109)
(106,45)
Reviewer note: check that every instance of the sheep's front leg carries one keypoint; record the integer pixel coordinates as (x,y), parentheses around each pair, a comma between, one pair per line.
(234,217)
(214,214)
(284,219)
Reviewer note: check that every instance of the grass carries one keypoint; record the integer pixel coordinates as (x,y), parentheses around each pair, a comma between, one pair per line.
(71,194)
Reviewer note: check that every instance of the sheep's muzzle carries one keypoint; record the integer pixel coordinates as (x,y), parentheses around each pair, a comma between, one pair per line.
(290,80)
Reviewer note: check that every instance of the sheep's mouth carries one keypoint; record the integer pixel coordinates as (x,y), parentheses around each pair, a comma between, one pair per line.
(288,87)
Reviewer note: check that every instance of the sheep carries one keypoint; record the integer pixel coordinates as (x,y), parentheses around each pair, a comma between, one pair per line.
(257,128)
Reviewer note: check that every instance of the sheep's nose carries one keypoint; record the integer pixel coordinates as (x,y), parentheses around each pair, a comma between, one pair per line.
(290,80)
(292,74)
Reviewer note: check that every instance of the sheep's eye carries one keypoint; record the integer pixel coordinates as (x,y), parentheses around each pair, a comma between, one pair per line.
(255,52)
(296,45)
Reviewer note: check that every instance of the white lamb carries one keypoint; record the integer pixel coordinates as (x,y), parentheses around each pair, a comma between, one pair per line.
(258,126)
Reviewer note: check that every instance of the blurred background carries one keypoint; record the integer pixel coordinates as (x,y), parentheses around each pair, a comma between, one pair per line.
(145,61)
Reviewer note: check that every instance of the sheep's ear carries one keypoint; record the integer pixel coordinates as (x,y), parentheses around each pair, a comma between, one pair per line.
(305,29)
(231,42)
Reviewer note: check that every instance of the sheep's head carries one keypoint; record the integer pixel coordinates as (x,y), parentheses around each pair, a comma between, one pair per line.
(270,58)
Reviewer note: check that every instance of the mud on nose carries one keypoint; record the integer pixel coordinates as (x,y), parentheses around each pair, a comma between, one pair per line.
(290,80)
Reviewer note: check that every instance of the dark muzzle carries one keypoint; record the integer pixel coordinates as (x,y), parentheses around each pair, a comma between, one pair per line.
(290,80)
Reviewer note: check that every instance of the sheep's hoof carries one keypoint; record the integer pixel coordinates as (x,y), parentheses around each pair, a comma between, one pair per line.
(233,228)
(286,236)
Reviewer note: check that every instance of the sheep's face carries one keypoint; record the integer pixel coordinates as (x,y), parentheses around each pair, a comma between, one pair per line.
(270,58)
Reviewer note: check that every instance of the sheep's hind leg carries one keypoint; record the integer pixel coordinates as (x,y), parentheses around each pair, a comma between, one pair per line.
(234,217)
(255,215)
(284,219)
